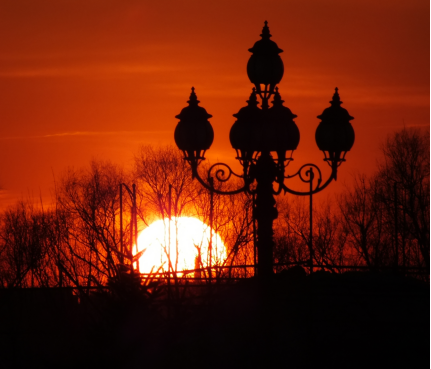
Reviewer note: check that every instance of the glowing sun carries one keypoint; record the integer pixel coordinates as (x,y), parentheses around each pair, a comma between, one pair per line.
(188,245)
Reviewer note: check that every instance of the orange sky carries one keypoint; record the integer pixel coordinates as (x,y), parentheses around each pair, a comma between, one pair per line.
(95,79)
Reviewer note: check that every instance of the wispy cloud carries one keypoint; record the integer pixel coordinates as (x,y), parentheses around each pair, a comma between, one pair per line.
(88,134)
(95,70)
(77,133)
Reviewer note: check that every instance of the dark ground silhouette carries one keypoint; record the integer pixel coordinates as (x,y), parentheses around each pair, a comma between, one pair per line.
(354,320)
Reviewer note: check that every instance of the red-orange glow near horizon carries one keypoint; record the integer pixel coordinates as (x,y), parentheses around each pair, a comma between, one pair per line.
(189,237)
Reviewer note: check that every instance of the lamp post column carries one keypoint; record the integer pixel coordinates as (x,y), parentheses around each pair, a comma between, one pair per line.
(258,132)
(265,212)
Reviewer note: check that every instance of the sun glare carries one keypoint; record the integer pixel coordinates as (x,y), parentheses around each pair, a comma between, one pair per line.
(188,245)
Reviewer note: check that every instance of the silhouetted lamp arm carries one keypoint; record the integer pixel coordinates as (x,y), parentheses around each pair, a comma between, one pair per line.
(309,179)
(221,176)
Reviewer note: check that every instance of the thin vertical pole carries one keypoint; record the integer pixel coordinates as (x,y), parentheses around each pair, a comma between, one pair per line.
(311,219)
(169,250)
(60,270)
(111,263)
(211,180)
(169,227)
(130,251)
(121,225)
(396,224)
(254,236)
(404,227)
(135,221)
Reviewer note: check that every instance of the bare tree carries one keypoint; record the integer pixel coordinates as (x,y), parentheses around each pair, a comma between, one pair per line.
(88,211)
(404,182)
(364,223)
(329,240)
(157,170)
(292,234)
(28,237)
(291,231)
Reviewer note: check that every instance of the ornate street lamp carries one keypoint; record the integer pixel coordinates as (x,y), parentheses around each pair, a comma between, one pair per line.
(264,139)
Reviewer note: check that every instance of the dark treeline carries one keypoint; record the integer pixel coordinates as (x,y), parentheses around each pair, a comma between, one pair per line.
(380,221)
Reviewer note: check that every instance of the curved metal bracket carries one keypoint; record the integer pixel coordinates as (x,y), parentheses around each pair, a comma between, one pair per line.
(308,177)
(221,172)
(222,175)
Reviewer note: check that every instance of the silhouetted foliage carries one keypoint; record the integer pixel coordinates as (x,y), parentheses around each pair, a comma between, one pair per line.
(292,234)
(28,238)
(406,165)
(88,204)
(363,222)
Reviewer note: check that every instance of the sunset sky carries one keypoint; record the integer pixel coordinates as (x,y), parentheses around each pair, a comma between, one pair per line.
(87,79)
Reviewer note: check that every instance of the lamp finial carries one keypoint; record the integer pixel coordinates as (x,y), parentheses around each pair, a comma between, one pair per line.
(253,98)
(277,98)
(265,31)
(336,98)
(193,100)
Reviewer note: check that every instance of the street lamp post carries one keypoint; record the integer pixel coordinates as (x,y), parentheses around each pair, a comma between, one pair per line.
(264,139)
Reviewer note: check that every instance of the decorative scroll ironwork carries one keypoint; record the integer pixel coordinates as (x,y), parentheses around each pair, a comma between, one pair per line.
(308,173)
(307,176)
(222,175)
